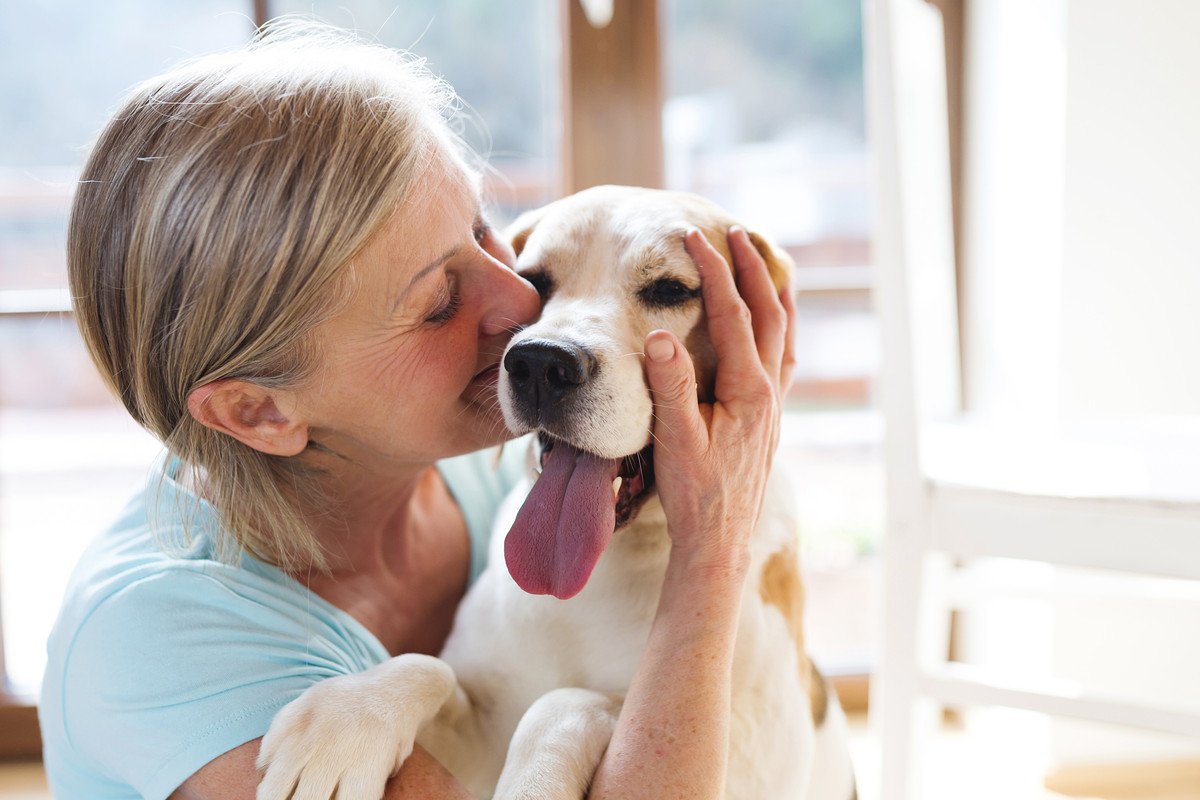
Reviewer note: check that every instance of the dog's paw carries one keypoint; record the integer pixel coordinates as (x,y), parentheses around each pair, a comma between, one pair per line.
(557,746)
(346,736)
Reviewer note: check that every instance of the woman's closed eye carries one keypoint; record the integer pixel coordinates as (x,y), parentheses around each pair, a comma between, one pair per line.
(450,301)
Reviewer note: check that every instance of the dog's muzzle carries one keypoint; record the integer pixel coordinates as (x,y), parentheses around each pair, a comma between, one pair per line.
(545,375)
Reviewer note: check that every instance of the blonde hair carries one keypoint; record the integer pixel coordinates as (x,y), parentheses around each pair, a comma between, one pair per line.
(209,233)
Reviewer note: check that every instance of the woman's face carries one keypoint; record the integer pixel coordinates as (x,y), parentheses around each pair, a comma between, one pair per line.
(409,367)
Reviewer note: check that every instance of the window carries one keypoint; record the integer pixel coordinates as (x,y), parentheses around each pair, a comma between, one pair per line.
(764,114)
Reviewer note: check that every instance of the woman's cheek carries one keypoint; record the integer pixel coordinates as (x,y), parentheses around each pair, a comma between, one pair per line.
(448,358)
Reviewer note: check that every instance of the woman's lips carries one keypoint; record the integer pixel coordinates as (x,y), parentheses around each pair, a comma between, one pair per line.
(487,376)
(482,388)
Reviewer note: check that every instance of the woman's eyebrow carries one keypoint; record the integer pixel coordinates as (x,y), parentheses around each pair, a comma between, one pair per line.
(423,272)
(437,262)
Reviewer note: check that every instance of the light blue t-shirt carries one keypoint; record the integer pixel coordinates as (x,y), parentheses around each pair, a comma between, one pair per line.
(159,663)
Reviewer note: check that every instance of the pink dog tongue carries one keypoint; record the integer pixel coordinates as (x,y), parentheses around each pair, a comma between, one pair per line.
(565,524)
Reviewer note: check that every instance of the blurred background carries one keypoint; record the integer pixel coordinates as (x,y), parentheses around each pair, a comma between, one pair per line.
(1057,195)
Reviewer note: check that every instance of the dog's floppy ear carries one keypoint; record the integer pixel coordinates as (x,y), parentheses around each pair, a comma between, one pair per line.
(779,263)
(518,232)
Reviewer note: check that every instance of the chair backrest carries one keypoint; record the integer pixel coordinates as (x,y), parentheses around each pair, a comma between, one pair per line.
(914,253)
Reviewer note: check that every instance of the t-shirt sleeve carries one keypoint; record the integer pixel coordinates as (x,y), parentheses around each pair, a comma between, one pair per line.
(178,668)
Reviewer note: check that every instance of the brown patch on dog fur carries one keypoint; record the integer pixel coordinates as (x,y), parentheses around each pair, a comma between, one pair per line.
(782,587)
(699,346)
(715,224)
(779,263)
(818,693)
(522,226)
(519,239)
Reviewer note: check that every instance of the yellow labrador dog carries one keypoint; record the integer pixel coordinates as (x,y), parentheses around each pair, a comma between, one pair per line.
(524,699)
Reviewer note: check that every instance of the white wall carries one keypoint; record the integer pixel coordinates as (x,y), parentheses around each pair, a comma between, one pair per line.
(1082,208)
(1082,283)
(1131,315)
(1131,273)
(1014,114)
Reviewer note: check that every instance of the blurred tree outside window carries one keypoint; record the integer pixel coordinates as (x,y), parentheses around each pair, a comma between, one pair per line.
(501,56)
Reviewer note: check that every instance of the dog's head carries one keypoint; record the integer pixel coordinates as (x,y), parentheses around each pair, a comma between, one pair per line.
(610,265)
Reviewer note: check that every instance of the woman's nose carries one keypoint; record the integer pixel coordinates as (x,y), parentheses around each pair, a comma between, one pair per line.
(511,302)
(498,248)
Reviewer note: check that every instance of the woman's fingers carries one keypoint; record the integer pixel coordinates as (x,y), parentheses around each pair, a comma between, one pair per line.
(679,430)
(739,370)
(758,290)
(787,298)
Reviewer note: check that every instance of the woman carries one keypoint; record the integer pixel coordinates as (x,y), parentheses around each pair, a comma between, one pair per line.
(280,265)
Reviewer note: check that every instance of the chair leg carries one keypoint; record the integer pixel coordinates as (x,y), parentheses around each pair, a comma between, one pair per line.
(916,634)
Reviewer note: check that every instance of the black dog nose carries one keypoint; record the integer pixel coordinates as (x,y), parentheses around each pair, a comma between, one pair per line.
(542,373)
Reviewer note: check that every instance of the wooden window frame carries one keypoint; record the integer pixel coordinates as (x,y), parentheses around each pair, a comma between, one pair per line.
(612,97)
(20,736)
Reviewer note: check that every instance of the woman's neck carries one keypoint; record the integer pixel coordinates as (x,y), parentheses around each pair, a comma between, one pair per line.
(400,554)
(371,519)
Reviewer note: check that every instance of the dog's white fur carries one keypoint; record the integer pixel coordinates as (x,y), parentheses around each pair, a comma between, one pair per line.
(527,691)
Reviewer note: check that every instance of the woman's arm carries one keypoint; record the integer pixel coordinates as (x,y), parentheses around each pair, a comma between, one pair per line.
(233,776)
(711,465)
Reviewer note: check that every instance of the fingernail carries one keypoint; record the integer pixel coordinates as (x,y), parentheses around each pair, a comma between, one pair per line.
(660,350)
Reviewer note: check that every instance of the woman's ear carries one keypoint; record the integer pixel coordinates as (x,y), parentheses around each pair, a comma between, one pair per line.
(257,417)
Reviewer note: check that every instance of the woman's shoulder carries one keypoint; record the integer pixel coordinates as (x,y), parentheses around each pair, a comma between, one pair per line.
(162,543)
(162,645)
(148,598)
(154,672)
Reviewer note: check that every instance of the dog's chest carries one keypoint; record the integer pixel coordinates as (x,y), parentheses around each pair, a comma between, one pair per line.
(609,621)
(596,639)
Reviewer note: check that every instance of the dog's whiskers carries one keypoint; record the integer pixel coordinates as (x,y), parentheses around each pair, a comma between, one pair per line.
(654,436)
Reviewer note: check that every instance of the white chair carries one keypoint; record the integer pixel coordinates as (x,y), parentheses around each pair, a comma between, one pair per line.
(1099,496)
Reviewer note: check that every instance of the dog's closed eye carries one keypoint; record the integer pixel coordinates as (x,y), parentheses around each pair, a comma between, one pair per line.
(541,281)
(667,292)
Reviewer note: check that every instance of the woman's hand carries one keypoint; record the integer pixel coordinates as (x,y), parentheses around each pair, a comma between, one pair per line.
(711,461)
(711,464)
